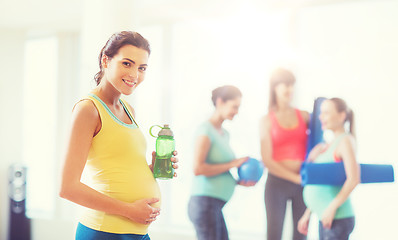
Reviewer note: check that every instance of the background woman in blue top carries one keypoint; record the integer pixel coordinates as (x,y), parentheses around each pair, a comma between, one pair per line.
(213,184)
(330,203)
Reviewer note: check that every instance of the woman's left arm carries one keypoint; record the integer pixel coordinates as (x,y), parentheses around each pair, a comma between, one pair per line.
(306,117)
(345,151)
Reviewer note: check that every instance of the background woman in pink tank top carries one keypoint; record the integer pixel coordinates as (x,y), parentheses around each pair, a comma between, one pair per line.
(283,146)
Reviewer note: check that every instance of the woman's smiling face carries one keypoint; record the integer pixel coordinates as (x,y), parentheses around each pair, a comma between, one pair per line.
(126,69)
(330,117)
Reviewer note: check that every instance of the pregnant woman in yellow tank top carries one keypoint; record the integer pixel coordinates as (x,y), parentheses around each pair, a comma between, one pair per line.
(123,197)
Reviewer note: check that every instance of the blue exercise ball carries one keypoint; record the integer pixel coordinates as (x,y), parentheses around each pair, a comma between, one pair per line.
(251,170)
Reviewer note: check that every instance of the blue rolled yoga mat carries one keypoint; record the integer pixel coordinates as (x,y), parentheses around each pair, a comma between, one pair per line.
(334,174)
(315,133)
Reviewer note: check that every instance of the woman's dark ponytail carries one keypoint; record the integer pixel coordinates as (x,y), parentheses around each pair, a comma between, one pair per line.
(341,106)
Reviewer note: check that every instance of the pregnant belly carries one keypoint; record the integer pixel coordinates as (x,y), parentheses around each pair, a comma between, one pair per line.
(131,187)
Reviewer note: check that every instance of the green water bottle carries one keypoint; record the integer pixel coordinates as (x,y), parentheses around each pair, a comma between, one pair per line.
(165,146)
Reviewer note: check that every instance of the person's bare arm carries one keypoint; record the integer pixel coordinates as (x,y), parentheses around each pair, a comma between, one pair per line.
(202,147)
(306,117)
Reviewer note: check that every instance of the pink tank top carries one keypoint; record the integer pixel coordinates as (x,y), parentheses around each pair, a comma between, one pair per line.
(288,143)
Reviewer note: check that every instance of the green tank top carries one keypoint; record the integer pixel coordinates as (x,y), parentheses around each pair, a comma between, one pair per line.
(318,197)
(220,186)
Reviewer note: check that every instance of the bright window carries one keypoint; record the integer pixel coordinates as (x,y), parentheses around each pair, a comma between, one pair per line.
(39,145)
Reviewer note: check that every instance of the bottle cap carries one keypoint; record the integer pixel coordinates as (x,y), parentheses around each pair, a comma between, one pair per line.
(166,131)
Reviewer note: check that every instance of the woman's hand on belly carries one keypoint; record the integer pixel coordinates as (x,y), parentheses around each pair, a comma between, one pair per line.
(141,211)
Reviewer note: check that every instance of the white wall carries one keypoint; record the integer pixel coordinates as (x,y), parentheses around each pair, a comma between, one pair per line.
(11,99)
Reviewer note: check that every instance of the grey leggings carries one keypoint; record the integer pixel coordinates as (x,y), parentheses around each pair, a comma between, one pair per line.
(207,218)
(277,192)
(340,230)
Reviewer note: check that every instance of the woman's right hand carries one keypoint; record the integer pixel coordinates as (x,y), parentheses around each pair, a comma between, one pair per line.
(142,212)
(302,225)
(247,183)
(315,151)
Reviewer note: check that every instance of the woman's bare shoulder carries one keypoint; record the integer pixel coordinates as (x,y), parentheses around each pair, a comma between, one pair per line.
(85,109)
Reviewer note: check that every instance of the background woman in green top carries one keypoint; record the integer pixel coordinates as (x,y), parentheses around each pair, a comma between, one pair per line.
(330,203)
(213,184)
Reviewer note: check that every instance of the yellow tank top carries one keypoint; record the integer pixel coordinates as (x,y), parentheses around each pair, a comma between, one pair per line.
(117,167)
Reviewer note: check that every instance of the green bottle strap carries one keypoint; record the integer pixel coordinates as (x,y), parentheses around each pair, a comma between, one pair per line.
(150,130)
